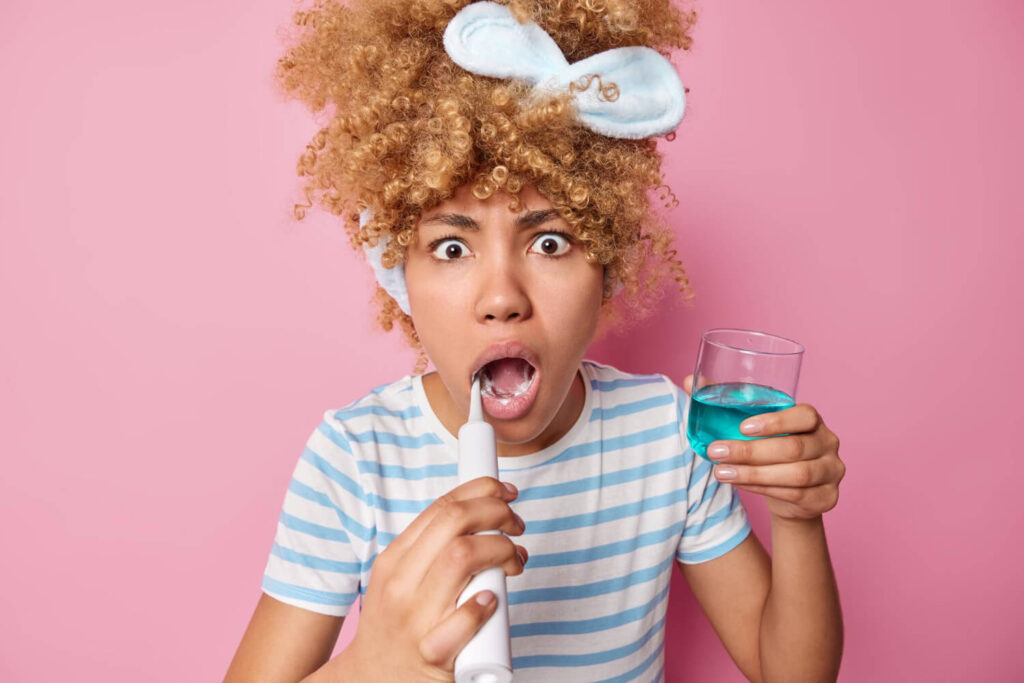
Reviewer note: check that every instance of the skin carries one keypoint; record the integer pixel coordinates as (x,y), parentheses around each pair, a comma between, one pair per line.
(778,617)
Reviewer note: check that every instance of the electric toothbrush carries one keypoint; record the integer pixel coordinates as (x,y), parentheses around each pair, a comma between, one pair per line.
(487,657)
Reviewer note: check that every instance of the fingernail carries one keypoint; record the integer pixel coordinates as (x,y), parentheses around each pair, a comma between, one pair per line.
(751,427)
(718,451)
(519,554)
(485,597)
(510,488)
(725,472)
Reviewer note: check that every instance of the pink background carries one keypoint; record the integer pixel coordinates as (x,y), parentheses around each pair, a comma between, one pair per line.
(848,175)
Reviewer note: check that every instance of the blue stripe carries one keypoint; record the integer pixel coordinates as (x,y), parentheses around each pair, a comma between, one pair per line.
(635,381)
(561,628)
(401,440)
(335,437)
(589,590)
(563,660)
(313,561)
(325,532)
(571,453)
(290,590)
(369,499)
(608,550)
(568,488)
(350,525)
(631,408)
(712,520)
(401,505)
(715,551)
(641,667)
(405,414)
(543,526)
(535,493)
(700,471)
(709,493)
(615,443)
(337,476)
(408,473)
(600,552)
(384,387)
(377,437)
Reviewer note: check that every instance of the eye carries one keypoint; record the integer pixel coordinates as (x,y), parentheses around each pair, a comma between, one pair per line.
(449,250)
(552,244)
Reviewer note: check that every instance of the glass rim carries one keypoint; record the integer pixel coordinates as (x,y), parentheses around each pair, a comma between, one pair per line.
(798,345)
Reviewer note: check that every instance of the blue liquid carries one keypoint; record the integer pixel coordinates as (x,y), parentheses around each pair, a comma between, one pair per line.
(717,410)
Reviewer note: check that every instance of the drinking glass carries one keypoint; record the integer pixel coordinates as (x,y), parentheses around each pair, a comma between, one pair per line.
(739,373)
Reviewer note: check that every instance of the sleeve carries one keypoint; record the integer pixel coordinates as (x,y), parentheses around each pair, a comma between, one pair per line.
(323,527)
(716,521)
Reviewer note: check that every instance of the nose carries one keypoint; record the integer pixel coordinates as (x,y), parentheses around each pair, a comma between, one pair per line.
(502,294)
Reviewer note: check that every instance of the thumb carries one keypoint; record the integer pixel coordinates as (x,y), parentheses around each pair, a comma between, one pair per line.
(447,639)
(688,384)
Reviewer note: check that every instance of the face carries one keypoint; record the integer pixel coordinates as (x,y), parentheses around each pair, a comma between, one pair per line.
(486,282)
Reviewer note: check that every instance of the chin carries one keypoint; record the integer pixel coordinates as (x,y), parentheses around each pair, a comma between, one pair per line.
(515,432)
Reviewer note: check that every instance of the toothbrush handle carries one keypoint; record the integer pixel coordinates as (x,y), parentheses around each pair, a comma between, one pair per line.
(487,658)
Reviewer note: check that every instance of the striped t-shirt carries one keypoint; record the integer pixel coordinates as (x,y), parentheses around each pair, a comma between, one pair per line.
(608,508)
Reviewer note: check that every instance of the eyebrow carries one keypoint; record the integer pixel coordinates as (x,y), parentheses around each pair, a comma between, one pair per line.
(529,219)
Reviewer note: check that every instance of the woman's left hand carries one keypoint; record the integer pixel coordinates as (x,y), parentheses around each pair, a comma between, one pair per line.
(798,473)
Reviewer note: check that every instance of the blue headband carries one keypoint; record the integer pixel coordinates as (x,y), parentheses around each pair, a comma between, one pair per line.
(486,39)
(391,279)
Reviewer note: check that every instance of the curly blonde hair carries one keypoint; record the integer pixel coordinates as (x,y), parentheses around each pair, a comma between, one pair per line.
(406,127)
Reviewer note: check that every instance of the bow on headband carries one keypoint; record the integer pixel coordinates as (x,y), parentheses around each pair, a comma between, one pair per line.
(484,38)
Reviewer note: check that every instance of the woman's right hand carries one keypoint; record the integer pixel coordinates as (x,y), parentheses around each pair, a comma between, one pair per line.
(409,627)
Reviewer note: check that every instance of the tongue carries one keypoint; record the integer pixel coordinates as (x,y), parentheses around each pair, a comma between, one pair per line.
(509,374)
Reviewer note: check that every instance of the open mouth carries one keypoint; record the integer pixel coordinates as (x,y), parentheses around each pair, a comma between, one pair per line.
(506,378)
(508,387)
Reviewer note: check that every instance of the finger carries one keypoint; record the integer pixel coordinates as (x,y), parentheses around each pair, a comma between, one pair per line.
(790,494)
(794,474)
(482,486)
(818,498)
(457,518)
(802,417)
(440,646)
(464,557)
(769,451)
